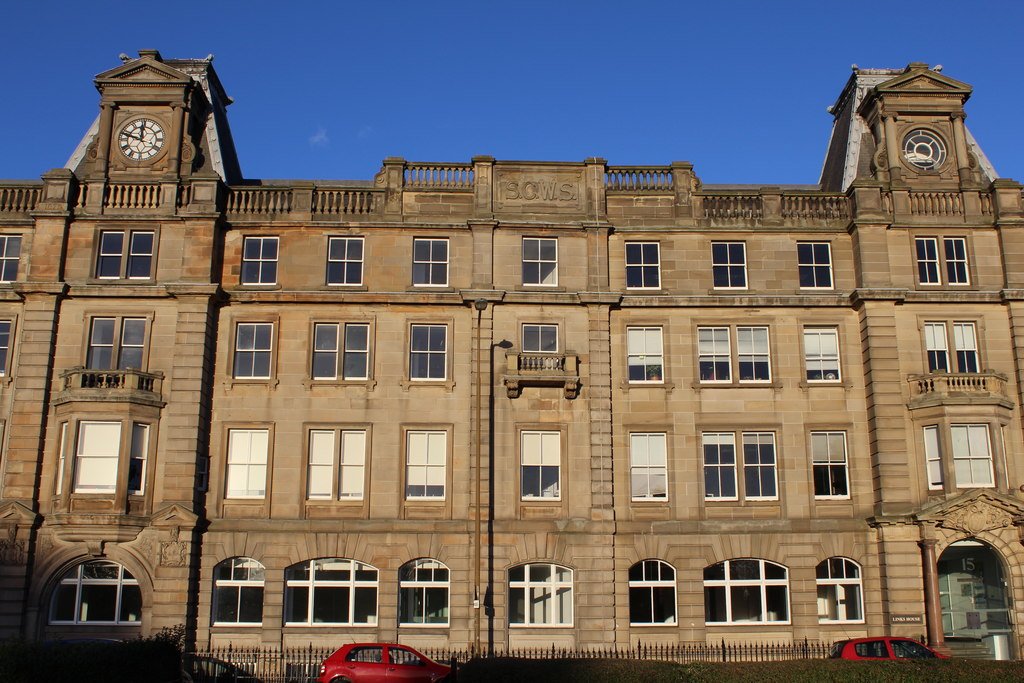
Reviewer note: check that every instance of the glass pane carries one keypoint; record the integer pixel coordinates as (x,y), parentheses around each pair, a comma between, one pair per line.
(131,604)
(98,603)
(330,605)
(365,608)
(226,604)
(251,605)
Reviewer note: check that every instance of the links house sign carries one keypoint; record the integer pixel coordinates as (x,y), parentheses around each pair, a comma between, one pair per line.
(535,188)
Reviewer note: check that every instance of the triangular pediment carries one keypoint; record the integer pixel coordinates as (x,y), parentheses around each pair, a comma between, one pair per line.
(974,511)
(174,515)
(13,512)
(924,80)
(145,69)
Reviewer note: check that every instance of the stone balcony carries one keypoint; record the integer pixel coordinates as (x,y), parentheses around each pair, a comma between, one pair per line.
(541,370)
(117,386)
(963,388)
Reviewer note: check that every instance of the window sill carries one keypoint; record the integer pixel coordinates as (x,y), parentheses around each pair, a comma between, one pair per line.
(628,386)
(833,383)
(368,384)
(736,384)
(335,286)
(235,382)
(446,384)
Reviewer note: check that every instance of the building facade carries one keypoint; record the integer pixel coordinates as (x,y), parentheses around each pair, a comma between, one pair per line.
(502,404)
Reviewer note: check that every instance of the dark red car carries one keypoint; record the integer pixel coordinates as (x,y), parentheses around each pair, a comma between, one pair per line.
(381,663)
(883,647)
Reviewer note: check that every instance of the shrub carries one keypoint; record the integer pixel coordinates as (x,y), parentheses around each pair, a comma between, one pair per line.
(507,670)
(150,660)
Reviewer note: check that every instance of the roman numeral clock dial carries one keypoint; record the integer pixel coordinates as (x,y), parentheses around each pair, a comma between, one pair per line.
(141,139)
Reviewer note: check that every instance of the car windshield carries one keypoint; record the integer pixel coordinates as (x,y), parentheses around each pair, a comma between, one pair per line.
(908,649)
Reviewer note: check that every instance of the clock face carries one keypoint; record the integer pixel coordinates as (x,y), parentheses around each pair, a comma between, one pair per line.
(924,149)
(141,139)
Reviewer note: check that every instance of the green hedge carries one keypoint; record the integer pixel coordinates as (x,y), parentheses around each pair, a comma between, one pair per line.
(507,670)
(153,660)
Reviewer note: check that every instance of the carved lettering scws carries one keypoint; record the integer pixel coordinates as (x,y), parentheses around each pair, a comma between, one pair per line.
(545,190)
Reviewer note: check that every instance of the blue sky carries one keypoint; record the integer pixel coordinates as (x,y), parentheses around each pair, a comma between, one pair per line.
(327,90)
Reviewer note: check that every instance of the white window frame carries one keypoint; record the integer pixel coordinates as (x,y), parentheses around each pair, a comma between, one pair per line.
(933,458)
(840,584)
(761,584)
(971,446)
(135,252)
(426,463)
(6,330)
(723,470)
(431,263)
(138,452)
(353,584)
(255,352)
(821,355)
(76,577)
(120,329)
(427,353)
(345,261)
(965,343)
(829,454)
(760,463)
(808,261)
(351,350)
(711,355)
(264,264)
(63,445)
(638,260)
(748,352)
(951,260)
(936,344)
(542,591)
(954,250)
(928,271)
(645,351)
(250,576)
(418,577)
(534,257)
(722,262)
(654,576)
(648,464)
(248,458)
(538,335)
(10,256)
(336,450)
(88,458)
(325,348)
(540,453)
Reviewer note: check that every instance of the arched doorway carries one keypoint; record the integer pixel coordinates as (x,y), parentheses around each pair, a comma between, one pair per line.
(975,597)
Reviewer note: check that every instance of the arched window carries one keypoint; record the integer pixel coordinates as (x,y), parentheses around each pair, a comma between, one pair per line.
(745,591)
(652,593)
(330,591)
(540,595)
(238,591)
(423,590)
(840,593)
(97,592)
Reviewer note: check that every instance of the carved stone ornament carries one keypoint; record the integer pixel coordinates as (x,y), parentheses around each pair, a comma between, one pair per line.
(977,517)
(188,151)
(174,554)
(12,551)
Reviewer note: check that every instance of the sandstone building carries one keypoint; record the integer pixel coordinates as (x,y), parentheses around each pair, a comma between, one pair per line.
(505,403)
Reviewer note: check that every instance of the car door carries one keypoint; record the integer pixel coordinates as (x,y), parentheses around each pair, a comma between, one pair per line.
(405,666)
(365,664)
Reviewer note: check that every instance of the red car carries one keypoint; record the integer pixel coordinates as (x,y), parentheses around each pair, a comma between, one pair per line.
(381,663)
(883,647)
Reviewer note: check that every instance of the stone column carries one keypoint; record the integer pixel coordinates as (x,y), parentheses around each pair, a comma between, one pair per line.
(932,604)
(892,150)
(963,164)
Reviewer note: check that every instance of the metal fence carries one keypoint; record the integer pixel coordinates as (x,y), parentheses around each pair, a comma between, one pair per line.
(302,664)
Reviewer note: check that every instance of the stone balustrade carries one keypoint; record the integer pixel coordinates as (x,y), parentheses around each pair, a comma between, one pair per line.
(673,191)
(541,370)
(946,388)
(84,384)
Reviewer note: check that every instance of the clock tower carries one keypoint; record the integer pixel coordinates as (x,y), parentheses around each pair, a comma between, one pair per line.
(160,121)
